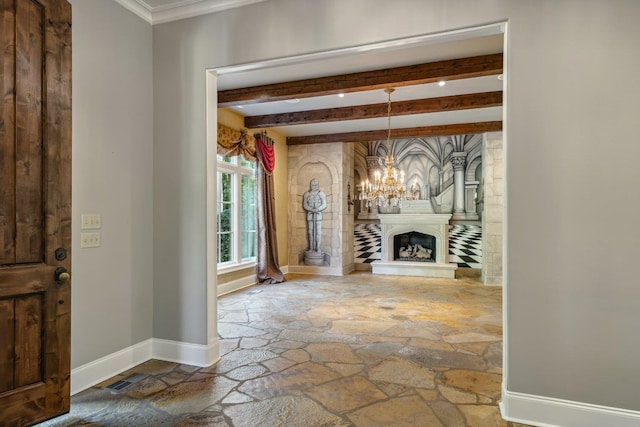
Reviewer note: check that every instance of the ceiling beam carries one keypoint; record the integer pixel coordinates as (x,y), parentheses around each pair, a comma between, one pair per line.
(358,112)
(451,69)
(377,135)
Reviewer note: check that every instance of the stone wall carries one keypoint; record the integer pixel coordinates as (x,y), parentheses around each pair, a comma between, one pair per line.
(347,216)
(493,209)
(332,165)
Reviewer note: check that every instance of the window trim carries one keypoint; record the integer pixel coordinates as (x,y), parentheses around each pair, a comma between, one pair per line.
(237,171)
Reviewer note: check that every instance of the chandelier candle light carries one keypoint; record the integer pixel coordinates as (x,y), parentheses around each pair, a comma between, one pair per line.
(388,188)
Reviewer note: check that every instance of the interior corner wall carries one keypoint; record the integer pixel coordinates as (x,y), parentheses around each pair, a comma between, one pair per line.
(112,175)
(572,302)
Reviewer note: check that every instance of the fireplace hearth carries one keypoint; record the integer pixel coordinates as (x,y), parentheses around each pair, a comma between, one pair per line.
(415,245)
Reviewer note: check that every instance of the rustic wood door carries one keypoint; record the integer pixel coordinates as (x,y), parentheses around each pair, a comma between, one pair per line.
(35,210)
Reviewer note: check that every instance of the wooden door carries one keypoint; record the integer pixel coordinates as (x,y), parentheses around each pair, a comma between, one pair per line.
(35,210)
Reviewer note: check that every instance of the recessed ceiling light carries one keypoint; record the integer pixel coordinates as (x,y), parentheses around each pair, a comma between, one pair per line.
(442,83)
(341,95)
(292,101)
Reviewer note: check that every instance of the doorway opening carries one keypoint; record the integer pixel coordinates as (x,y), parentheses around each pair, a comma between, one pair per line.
(297,67)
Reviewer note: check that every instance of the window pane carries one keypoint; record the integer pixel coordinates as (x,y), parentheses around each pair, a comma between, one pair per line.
(248,194)
(229,160)
(248,190)
(225,209)
(225,247)
(225,186)
(248,218)
(247,164)
(225,218)
(249,244)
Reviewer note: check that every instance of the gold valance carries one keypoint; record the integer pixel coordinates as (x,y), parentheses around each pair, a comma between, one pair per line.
(232,142)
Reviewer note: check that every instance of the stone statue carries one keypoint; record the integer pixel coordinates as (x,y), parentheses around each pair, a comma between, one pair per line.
(314,202)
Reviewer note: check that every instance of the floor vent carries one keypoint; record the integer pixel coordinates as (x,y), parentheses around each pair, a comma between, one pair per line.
(126,382)
(119,385)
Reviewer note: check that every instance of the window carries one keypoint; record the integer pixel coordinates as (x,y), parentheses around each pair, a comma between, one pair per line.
(236,211)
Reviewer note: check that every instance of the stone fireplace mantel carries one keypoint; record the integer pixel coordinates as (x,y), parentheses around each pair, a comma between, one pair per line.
(436,225)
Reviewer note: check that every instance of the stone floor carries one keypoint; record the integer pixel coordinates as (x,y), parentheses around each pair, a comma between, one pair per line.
(358,350)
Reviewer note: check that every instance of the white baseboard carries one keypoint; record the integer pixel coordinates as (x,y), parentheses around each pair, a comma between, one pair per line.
(92,373)
(108,366)
(549,412)
(189,354)
(234,285)
(312,269)
(243,282)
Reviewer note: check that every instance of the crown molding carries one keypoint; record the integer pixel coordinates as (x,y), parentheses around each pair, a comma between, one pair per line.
(180,9)
(137,8)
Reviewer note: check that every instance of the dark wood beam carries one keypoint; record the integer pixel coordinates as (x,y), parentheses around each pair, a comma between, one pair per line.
(400,108)
(377,135)
(431,72)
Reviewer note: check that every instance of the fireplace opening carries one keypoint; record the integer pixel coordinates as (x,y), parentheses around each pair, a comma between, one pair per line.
(414,246)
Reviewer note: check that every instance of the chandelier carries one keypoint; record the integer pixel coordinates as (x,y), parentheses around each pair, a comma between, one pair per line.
(388,188)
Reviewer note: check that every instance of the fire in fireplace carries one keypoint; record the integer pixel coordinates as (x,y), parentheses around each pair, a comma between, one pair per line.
(414,246)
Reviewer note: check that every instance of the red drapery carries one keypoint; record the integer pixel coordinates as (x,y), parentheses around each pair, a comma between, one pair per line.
(266,154)
(268,268)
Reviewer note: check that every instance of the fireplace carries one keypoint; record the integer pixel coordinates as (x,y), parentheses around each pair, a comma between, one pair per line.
(424,233)
(414,246)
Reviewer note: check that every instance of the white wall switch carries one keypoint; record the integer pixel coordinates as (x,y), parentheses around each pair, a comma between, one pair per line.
(89,240)
(91,221)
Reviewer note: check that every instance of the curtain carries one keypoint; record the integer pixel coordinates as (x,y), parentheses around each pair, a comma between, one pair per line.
(233,142)
(268,268)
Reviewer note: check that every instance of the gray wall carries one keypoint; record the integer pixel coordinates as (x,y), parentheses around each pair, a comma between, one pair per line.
(572,276)
(112,175)
(572,90)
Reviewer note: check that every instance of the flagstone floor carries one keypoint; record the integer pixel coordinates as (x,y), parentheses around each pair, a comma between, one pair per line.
(358,350)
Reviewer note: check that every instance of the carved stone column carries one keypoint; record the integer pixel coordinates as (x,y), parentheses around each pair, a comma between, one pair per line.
(458,161)
(471,189)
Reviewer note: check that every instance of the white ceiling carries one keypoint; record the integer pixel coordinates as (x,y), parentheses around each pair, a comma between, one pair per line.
(361,59)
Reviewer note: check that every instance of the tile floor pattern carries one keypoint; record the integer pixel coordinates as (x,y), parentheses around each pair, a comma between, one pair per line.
(366,243)
(465,244)
(327,351)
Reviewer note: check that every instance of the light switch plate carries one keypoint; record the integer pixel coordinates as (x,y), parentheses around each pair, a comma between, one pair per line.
(89,240)
(91,221)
